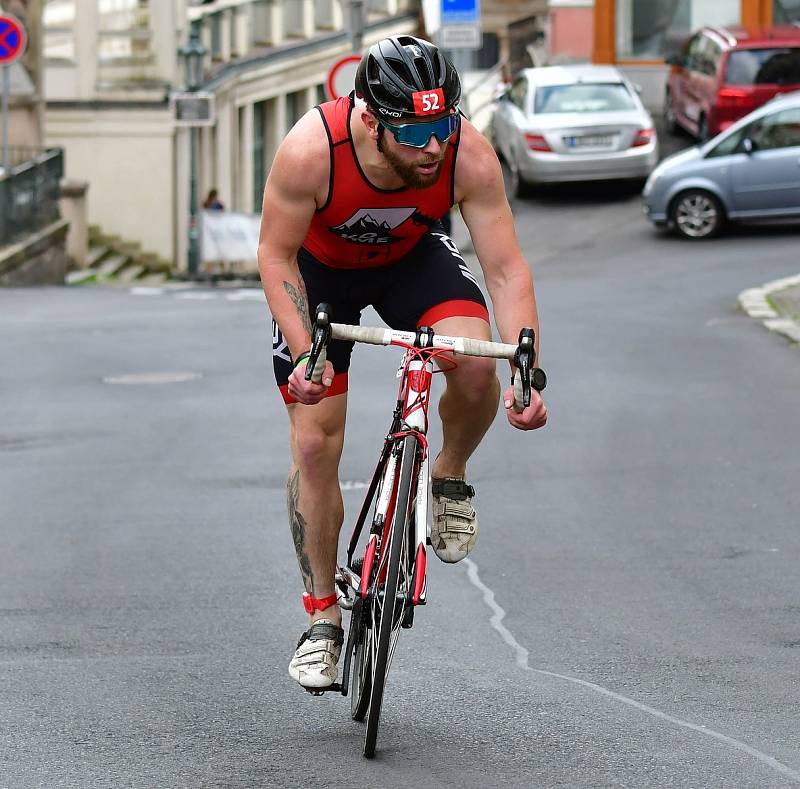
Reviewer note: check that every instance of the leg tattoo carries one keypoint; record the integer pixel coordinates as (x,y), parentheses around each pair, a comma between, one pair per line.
(298,524)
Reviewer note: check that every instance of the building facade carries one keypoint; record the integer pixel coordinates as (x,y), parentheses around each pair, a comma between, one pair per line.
(646,31)
(111,66)
(638,35)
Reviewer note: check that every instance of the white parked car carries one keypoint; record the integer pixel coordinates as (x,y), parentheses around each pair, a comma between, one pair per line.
(572,123)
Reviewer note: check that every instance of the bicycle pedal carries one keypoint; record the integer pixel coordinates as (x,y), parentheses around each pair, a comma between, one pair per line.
(335,688)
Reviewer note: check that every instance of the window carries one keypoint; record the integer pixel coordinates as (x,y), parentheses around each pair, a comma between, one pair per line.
(729,145)
(216,36)
(764,67)
(658,28)
(779,130)
(518,93)
(59,34)
(596,97)
(259,158)
(706,58)
(785,11)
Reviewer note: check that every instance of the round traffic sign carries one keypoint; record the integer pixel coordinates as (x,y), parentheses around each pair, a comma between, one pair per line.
(342,76)
(12,39)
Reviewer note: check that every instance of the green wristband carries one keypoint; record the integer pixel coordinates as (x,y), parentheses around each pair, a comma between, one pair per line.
(301,359)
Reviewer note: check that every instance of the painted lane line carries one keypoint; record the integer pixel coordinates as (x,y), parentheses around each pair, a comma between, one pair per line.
(147,291)
(522,655)
(247,294)
(194,295)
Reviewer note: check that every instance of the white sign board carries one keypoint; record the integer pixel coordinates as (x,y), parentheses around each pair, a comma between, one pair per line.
(194,109)
(229,237)
(461,36)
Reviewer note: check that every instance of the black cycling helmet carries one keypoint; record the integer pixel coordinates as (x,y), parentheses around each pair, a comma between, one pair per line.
(396,72)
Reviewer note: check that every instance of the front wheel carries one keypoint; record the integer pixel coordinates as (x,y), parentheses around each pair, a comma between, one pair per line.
(697,214)
(385,601)
(516,186)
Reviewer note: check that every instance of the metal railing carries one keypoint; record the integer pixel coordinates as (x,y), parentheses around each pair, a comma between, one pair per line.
(29,191)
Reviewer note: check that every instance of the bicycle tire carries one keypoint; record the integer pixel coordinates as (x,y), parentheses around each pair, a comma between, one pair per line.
(361,679)
(389,623)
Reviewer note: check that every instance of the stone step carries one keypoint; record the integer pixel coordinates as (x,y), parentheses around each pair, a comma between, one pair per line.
(130,273)
(152,280)
(109,267)
(96,254)
(80,277)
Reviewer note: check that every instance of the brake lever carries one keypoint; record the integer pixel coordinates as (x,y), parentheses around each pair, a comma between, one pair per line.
(524,360)
(320,337)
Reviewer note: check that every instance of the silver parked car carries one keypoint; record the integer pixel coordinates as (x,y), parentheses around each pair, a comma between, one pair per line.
(572,123)
(749,171)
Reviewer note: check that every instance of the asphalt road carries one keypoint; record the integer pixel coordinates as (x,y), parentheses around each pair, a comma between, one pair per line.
(630,618)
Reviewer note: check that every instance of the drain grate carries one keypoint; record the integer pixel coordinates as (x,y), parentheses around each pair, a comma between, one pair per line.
(152,378)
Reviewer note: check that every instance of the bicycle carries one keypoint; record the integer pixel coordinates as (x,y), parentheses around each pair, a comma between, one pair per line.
(383,586)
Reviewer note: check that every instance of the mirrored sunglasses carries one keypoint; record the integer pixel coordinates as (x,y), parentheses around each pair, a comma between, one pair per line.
(417,135)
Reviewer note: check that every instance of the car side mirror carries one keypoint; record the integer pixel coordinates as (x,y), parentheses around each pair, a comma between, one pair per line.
(748,146)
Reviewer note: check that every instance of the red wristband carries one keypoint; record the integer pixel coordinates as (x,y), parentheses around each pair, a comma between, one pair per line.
(312,604)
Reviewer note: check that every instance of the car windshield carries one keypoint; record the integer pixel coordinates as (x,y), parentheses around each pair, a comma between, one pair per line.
(764,67)
(586,97)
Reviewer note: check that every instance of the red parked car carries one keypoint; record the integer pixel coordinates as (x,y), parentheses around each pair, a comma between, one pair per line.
(724,73)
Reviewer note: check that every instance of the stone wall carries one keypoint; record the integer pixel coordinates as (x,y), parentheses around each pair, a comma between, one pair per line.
(39,259)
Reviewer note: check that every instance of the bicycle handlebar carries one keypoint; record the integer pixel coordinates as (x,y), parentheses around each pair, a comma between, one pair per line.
(522,355)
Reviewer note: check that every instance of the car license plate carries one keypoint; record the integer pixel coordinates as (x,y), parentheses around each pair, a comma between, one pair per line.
(590,141)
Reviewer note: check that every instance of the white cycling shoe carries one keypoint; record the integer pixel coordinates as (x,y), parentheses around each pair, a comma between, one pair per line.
(314,661)
(454,530)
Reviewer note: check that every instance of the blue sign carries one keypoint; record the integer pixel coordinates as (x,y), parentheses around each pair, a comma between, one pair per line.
(455,11)
(12,39)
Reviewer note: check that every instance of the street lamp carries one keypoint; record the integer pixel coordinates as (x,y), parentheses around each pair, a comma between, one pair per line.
(193,55)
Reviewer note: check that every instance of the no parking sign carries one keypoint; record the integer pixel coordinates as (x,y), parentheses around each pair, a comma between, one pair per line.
(12,47)
(342,76)
(12,39)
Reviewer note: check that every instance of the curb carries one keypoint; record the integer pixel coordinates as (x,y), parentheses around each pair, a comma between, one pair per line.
(754,302)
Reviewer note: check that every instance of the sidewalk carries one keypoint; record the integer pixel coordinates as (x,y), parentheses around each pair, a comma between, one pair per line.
(777,305)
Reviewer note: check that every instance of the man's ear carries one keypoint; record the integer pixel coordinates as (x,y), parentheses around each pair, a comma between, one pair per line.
(371,122)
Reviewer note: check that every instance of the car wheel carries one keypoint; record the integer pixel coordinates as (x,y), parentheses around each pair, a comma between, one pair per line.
(696,214)
(516,186)
(702,129)
(670,119)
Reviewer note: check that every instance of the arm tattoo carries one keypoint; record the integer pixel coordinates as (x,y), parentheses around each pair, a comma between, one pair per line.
(300,302)
(298,524)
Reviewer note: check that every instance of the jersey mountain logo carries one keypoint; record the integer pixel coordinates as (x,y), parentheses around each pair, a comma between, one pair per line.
(373,225)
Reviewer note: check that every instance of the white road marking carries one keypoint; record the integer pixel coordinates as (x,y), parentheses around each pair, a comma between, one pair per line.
(246,294)
(498,614)
(195,295)
(147,291)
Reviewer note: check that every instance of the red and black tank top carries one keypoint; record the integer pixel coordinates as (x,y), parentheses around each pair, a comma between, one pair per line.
(361,225)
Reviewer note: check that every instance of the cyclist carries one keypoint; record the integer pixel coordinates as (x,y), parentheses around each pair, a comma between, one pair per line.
(351,217)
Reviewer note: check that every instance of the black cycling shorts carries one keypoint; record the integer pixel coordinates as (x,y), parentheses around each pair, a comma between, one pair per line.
(431,283)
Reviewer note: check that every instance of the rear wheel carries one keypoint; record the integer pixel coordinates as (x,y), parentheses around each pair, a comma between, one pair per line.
(697,214)
(361,679)
(386,605)
(670,119)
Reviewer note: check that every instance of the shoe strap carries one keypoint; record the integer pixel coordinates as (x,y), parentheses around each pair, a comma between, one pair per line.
(455,489)
(323,631)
